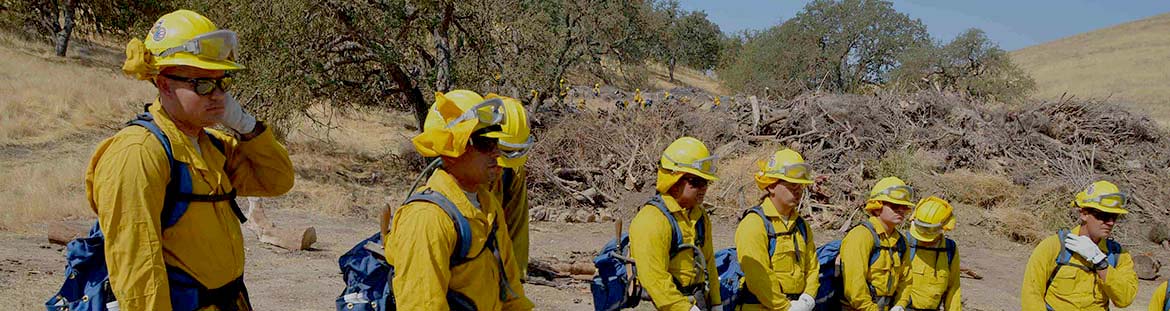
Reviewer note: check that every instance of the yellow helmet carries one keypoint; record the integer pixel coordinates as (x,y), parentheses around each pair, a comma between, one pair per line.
(454,118)
(185,38)
(1103,196)
(932,216)
(892,190)
(686,155)
(515,147)
(785,164)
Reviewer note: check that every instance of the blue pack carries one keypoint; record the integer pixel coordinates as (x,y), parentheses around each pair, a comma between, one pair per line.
(730,272)
(1113,250)
(832,291)
(1166,299)
(367,274)
(87,282)
(616,285)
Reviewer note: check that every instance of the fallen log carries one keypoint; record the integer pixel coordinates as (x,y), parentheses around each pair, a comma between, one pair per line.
(968,273)
(300,238)
(62,232)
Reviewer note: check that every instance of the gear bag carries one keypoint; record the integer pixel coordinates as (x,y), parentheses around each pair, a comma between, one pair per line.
(831,294)
(616,285)
(367,274)
(730,272)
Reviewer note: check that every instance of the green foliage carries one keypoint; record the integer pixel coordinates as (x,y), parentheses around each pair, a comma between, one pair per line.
(834,46)
(685,38)
(971,63)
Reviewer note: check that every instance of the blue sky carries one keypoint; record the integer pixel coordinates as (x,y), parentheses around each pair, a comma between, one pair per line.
(1014,24)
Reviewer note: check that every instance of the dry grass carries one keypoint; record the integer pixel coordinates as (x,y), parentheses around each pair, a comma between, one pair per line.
(52,112)
(35,193)
(685,77)
(1127,63)
(44,99)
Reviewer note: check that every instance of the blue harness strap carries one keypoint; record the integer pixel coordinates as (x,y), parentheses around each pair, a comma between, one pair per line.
(87,286)
(676,240)
(1112,251)
(463,243)
(949,247)
(745,295)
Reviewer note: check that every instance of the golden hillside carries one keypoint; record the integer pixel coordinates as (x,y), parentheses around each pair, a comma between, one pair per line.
(1128,63)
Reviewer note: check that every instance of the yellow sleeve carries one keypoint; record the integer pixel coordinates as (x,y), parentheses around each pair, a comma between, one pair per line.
(511,269)
(650,235)
(1121,282)
(812,268)
(712,271)
(1158,301)
(126,181)
(420,246)
(903,294)
(954,295)
(855,251)
(259,167)
(1036,274)
(516,211)
(751,244)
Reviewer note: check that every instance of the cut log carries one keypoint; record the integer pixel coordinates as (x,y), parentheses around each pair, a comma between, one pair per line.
(968,273)
(299,238)
(64,231)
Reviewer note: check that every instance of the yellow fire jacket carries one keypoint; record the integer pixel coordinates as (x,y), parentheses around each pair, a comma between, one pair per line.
(423,238)
(1158,301)
(126,181)
(885,273)
(1073,288)
(930,281)
(793,266)
(650,242)
(514,197)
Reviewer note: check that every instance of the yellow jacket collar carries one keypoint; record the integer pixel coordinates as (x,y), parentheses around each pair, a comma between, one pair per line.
(771,211)
(879,226)
(671,203)
(673,207)
(446,184)
(180,144)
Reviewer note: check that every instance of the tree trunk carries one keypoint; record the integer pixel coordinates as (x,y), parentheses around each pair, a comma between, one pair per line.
(413,95)
(670,68)
(442,50)
(66,31)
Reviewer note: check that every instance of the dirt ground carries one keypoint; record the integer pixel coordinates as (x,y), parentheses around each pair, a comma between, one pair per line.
(30,267)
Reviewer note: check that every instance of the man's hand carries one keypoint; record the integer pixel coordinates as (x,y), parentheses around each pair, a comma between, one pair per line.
(1084,246)
(234,116)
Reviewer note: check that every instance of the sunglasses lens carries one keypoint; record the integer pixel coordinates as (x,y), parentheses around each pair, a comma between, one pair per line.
(484,143)
(204,87)
(697,182)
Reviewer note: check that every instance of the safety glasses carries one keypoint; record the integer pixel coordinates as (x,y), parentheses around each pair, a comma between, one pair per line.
(490,111)
(1105,216)
(1110,200)
(904,193)
(704,165)
(204,86)
(216,45)
(928,228)
(514,151)
(794,171)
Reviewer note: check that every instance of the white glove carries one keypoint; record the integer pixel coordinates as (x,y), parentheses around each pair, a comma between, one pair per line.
(1084,246)
(897,308)
(804,303)
(695,308)
(235,117)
